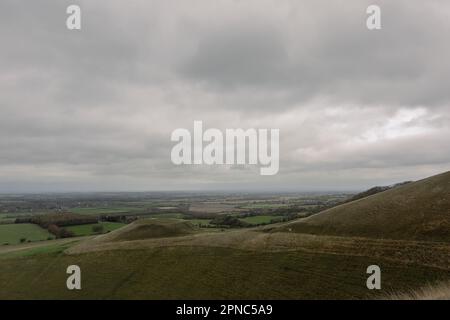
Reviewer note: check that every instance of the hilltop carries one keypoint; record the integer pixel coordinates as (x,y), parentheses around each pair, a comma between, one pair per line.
(150,229)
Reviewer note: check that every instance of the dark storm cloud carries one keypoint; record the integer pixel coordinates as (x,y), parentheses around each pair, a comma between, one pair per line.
(94,109)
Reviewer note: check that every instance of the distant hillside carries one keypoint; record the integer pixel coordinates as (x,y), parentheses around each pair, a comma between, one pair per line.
(375,190)
(418,210)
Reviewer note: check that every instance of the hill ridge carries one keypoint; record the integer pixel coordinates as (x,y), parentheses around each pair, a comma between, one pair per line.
(418,210)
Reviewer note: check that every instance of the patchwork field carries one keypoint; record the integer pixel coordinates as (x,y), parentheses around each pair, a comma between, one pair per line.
(14,233)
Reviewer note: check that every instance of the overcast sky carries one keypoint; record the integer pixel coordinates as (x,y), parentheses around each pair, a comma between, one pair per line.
(94,109)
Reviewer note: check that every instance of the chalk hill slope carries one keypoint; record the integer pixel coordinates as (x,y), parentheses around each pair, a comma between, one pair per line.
(415,211)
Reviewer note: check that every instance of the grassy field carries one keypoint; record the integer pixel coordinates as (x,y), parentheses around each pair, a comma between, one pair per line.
(170,259)
(260,219)
(203,273)
(12,233)
(87,229)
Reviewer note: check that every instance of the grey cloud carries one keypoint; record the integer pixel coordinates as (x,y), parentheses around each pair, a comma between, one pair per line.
(94,109)
(402,64)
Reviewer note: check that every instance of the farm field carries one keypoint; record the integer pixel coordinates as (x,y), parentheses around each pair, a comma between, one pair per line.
(6,219)
(87,229)
(13,233)
(263,205)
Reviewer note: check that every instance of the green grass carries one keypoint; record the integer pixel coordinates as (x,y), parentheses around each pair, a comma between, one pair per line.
(51,248)
(154,228)
(87,229)
(260,219)
(204,273)
(12,233)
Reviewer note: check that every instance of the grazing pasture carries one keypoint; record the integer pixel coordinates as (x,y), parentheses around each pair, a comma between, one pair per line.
(14,233)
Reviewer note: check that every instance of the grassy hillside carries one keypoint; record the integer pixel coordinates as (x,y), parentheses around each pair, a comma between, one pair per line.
(151,228)
(418,210)
(323,256)
(196,272)
(235,264)
(88,229)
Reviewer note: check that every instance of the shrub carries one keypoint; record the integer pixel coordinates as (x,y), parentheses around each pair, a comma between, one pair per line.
(97,228)
(59,232)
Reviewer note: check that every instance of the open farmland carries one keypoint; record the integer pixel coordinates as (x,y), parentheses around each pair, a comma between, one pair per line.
(168,252)
(14,233)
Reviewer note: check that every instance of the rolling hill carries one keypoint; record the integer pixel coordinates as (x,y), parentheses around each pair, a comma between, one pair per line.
(323,256)
(415,211)
(149,229)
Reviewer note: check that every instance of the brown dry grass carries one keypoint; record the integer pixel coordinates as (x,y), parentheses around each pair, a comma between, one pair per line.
(440,291)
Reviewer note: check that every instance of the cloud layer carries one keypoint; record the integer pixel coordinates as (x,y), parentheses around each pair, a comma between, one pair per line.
(94,109)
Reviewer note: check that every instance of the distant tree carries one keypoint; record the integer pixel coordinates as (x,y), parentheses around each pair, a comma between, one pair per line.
(64,233)
(22,240)
(228,221)
(60,232)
